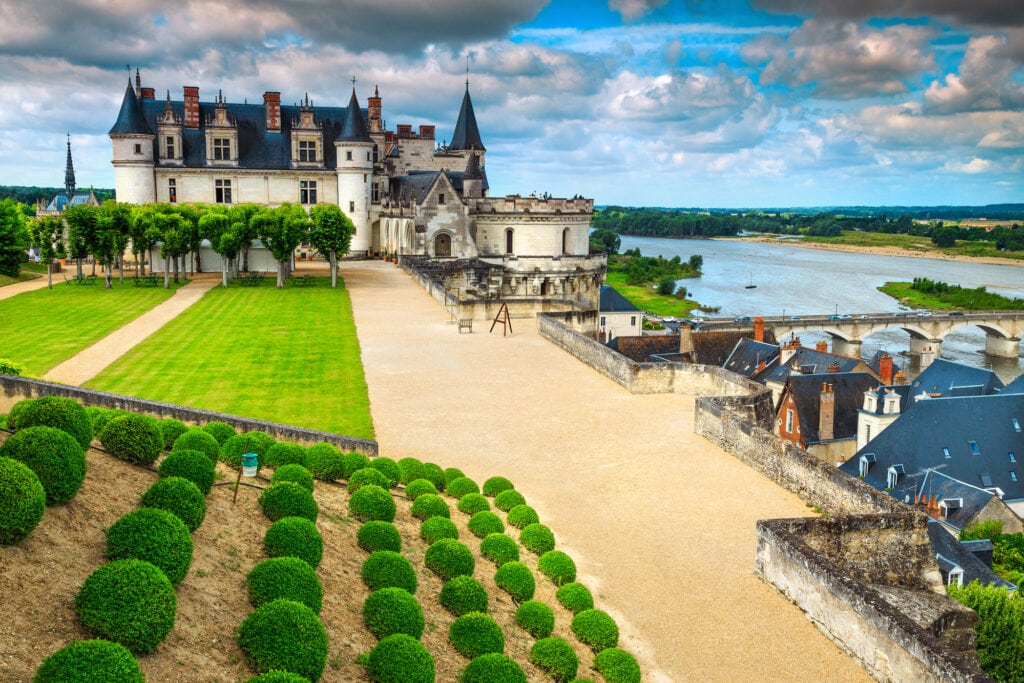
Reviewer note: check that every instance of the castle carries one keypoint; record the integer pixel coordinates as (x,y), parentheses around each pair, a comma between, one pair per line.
(408,197)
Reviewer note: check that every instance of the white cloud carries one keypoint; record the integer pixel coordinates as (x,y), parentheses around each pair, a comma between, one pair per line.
(975,165)
(634,9)
(985,81)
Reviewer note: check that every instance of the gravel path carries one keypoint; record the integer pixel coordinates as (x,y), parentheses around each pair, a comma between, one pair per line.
(7,291)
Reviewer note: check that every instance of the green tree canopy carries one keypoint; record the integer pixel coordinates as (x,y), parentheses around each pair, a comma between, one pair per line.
(14,237)
(331,234)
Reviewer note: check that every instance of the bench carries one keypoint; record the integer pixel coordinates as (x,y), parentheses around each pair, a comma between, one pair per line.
(465,324)
(250,279)
(302,280)
(147,281)
(81,280)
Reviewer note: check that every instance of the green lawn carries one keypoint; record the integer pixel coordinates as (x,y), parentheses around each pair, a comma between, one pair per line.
(42,328)
(647,299)
(288,355)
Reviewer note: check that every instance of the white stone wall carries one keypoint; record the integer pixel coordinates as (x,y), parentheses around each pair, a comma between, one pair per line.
(355,179)
(619,324)
(133,171)
(271,188)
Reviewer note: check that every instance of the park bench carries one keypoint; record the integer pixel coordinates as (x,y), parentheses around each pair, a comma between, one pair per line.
(302,280)
(466,324)
(81,280)
(252,279)
(147,281)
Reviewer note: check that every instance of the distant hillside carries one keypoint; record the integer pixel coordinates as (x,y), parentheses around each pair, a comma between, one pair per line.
(29,194)
(990,211)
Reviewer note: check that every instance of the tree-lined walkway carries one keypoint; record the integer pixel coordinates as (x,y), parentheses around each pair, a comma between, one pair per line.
(15,288)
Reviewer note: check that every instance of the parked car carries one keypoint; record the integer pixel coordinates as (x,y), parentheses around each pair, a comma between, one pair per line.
(956,314)
(925,314)
(743,319)
(834,317)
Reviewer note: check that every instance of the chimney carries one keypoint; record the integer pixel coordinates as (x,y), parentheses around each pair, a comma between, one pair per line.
(685,339)
(821,346)
(272,104)
(138,84)
(148,94)
(759,329)
(826,414)
(885,369)
(373,112)
(899,378)
(833,366)
(191,106)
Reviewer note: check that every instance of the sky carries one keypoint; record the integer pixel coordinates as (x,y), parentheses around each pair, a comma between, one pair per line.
(694,103)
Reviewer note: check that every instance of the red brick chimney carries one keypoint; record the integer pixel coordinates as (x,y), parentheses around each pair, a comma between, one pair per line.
(759,329)
(191,106)
(826,413)
(272,103)
(373,112)
(899,378)
(426,132)
(885,369)
(821,346)
(148,94)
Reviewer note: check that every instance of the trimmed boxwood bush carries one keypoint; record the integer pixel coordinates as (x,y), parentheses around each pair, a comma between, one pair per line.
(482,524)
(537,538)
(325,462)
(557,566)
(372,503)
(493,668)
(278,677)
(449,558)
(133,438)
(102,416)
(595,628)
(499,549)
(575,597)
(22,501)
(435,475)
(434,529)
(58,412)
(53,455)
(286,636)
(387,568)
(130,602)
(389,468)
(400,658)
(617,666)
(430,505)
(170,429)
(285,577)
(297,474)
(472,503)
(191,465)
(295,537)
(506,500)
(366,476)
(350,462)
(285,453)
(288,499)
(393,610)
(556,657)
(153,535)
(412,469)
(379,535)
(198,440)
(495,485)
(536,618)
(516,579)
(476,634)
(417,487)
(221,431)
(180,497)
(90,661)
(452,473)
(12,417)
(522,516)
(463,595)
(460,486)
(231,451)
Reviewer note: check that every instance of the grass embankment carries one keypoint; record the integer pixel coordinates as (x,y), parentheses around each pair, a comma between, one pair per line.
(288,355)
(29,271)
(915,243)
(925,293)
(42,328)
(639,285)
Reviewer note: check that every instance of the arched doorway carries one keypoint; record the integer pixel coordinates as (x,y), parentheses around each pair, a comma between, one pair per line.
(443,245)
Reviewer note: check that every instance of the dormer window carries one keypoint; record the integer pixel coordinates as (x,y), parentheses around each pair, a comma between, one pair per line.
(870,401)
(974,447)
(893,475)
(1016,424)
(948,505)
(1013,476)
(986,480)
(866,461)
(307,150)
(1013,458)
(222,149)
(440,197)
(945,453)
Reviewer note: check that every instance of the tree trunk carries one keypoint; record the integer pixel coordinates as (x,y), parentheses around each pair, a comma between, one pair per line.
(176,267)
(108,273)
(197,267)
(334,269)
(280,274)
(120,268)
(49,275)
(94,266)
(78,262)
(167,272)
(224,273)
(245,257)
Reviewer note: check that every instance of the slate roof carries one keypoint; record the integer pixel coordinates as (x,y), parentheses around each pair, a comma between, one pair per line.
(848,387)
(875,362)
(748,354)
(713,348)
(971,499)
(613,302)
(958,554)
(901,390)
(60,200)
(809,362)
(467,134)
(131,119)
(947,378)
(353,128)
(1014,387)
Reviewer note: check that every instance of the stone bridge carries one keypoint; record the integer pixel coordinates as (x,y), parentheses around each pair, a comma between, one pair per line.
(1003,329)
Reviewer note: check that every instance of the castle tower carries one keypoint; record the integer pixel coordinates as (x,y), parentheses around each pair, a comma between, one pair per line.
(473,179)
(69,174)
(355,173)
(466,137)
(132,140)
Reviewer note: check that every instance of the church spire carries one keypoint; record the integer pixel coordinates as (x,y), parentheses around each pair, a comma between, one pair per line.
(466,135)
(69,174)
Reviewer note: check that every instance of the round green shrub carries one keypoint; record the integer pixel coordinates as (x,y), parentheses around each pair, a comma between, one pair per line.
(516,579)
(133,438)
(196,439)
(595,628)
(295,537)
(22,501)
(476,634)
(153,535)
(379,535)
(278,677)
(460,486)
(393,610)
(472,503)
(575,597)
(435,475)
(387,568)
(452,473)
(284,453)
(430,505)
(285,577)
(412,469)
(53,455)
(495,485)
(325,462)
(170,429)
(372,502)
(400,658)
(449,558)
(557,566)
(350,462)
(287,636)
(499,549)
(434,529)
(506,500)
(288,499)
(90,661)
(556,657)
(12,417)
(58,412)
(295,473)
(102,416)
(522,516)
(191,465)
(417,487)
(536,618)
(130,602)
(493,668)
(180,497)
(537,538)
(221,431)
(485,523)
(617,666)
(365,477)
(462,595)
(389,468)
(231,451)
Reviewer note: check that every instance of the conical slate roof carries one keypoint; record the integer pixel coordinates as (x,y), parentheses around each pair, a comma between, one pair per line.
(466,135)
(69,174)
(130,120)
(354,127)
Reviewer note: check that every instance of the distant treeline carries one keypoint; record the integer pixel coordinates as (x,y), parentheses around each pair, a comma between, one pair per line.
(1001,212)
(30,194)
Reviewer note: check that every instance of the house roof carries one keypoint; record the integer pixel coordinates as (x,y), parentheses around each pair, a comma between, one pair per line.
(955,553)
(353,127)
(466,135)
(901,390)
(1014,387)
(946,378)
(809,362)
(613,302)
(713,348)
(876,360)
(747,356)
(131,120)
(970,500)
(848,389)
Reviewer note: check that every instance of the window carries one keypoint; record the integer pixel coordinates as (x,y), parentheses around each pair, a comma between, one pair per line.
(369,157)
(348,155)
(172,190)
(307,192)
(865,463)
(307,151)
(789,421)
(508,240)
(1013,476)
(603,323)
(138,148)
(893,475)
(986,479)
(1016,424)
(974,447)
(170,147)
(867,432)
(632,321)
(222,149)
(351,207)
(376,193)
(945,453)
(1013,458)
(440,197)
(565,241)
(222,191)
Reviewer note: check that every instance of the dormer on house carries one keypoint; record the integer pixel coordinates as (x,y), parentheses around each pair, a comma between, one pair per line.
(221,136)
(307,139)
(170,150)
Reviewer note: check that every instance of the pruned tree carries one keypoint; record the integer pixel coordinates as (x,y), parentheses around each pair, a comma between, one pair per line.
(14,238)
(81,220)
(173,240)
(213,225)
(47,233)
(281,230)
(241,218)
(331,235)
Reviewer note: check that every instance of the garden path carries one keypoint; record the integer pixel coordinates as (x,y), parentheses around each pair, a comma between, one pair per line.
(659,521)
(15,288)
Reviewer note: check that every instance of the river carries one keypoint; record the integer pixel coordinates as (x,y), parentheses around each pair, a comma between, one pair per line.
(799,281)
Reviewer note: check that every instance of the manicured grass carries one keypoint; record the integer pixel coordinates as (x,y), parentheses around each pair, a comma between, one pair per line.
(42,328)
(288,355)
(647,299)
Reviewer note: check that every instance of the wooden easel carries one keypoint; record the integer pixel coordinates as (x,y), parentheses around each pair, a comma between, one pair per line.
(504,318)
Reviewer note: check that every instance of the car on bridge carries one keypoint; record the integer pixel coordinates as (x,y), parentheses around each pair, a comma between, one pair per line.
(743,319)
(957,314)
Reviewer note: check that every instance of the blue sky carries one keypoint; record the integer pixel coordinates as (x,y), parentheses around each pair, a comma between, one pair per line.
(706,103)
